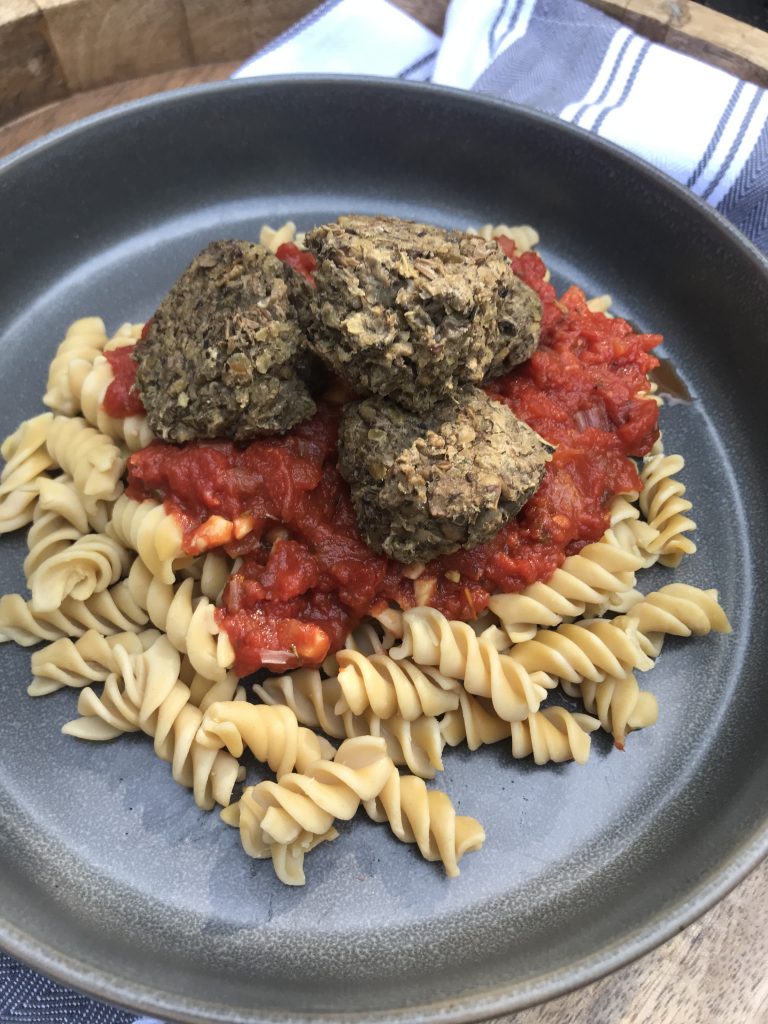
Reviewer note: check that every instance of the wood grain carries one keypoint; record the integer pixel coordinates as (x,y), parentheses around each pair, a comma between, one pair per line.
(57,115)
(30,75)
(99,42)
(715,971)
(51,48)
(699,31)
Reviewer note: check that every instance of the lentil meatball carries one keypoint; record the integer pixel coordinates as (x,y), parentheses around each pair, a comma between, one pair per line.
(414,311)
(426,485)
(224,355)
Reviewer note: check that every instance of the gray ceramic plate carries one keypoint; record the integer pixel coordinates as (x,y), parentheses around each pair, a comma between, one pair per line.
(111,879)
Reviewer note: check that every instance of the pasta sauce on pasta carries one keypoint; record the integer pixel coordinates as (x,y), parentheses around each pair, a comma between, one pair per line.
(306,578)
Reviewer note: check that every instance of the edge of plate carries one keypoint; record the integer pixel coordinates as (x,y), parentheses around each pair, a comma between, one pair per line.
(502,999)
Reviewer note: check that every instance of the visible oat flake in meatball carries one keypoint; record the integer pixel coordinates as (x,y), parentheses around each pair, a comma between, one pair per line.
(224,355)
(424,486)
(413,311)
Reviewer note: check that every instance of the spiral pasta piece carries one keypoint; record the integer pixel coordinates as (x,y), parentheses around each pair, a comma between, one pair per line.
(416,743)
(620,705)
(425,817)
(188,620)
(554,734)
(147,695)
(390,688)
(49,535)
(310,697)
(210,572)
(453,648)
(151,532)
(366,639)
(474,722)
(126,334)
(589,649)
(84,341)
(298,812)
(390,619)
(272,238)
(89,659)
(272,734)
(90,458)
(81,569)
(593,577)
(27,460)
(629,532)
(17,508)
(677,609)
(524,236)
(111,611)
(133,430)
(663,504)
(59,496)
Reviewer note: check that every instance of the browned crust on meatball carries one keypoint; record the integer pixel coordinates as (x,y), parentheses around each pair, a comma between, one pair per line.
(224,355)
(413,311)
(426,485)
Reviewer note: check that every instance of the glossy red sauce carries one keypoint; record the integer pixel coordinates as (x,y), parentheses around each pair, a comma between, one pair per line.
(307,578)
(121,398)
(300,259)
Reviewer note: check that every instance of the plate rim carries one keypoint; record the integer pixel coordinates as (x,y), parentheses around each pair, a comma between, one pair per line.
(501,999)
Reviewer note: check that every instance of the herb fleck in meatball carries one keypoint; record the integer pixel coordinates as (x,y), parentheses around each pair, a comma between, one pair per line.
(414,311)
(424,486)
(224,355)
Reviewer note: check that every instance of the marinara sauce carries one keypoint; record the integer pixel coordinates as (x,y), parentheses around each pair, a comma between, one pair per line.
(306,578)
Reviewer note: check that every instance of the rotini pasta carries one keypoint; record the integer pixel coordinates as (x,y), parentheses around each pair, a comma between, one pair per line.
(554,734)
(551,734)
(211,572)
(365,639)
(663,504)
(90,458)
(620,705)
(425,817)
(590,649)
(273,238)
(272,734)
(629,532)
(81,569)
(524,236)
(416,743)
(49,535)
(148,696)
(677,609)
(285,819)
(126,334)
(58,495)
(84,341)
(133,430)
(474,722)
(26,460)
(89,659)
(593,577)
(151,532)
(390,687)
(454,649)
(111,611)
(187,620)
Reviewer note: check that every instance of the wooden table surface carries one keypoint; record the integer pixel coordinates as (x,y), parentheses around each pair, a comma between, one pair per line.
(716,970)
